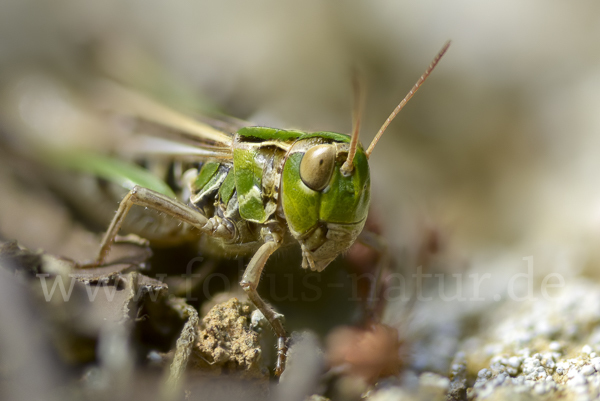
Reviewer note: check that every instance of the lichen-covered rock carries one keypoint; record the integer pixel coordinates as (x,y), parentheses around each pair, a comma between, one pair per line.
(544,348)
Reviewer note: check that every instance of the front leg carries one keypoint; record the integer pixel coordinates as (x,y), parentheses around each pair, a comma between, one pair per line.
(151,199)
(250,282)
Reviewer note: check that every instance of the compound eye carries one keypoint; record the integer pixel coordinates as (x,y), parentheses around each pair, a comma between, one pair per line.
(317,166)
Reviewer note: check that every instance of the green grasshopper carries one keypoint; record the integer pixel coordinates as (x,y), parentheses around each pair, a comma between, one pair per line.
(257,190)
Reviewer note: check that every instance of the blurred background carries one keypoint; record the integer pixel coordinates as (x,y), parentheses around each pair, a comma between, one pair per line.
(495,159)
(497,149)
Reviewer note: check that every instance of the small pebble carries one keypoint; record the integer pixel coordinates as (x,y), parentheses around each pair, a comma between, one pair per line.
(434,380)
(588,370)
(555,346)
(587,349)
(514,361)
(154,357)
(577,380)
(484,373)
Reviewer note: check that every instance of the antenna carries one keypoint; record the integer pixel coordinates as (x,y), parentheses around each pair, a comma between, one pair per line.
(410,94)
(357,91)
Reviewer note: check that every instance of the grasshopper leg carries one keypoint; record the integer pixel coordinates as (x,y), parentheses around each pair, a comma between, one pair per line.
(249,283)
(151,199)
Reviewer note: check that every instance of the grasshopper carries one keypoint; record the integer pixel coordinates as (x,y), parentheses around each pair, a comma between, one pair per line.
(257,190)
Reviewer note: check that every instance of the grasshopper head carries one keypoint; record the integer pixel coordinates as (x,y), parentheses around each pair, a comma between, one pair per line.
(325,185)
(325,208)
